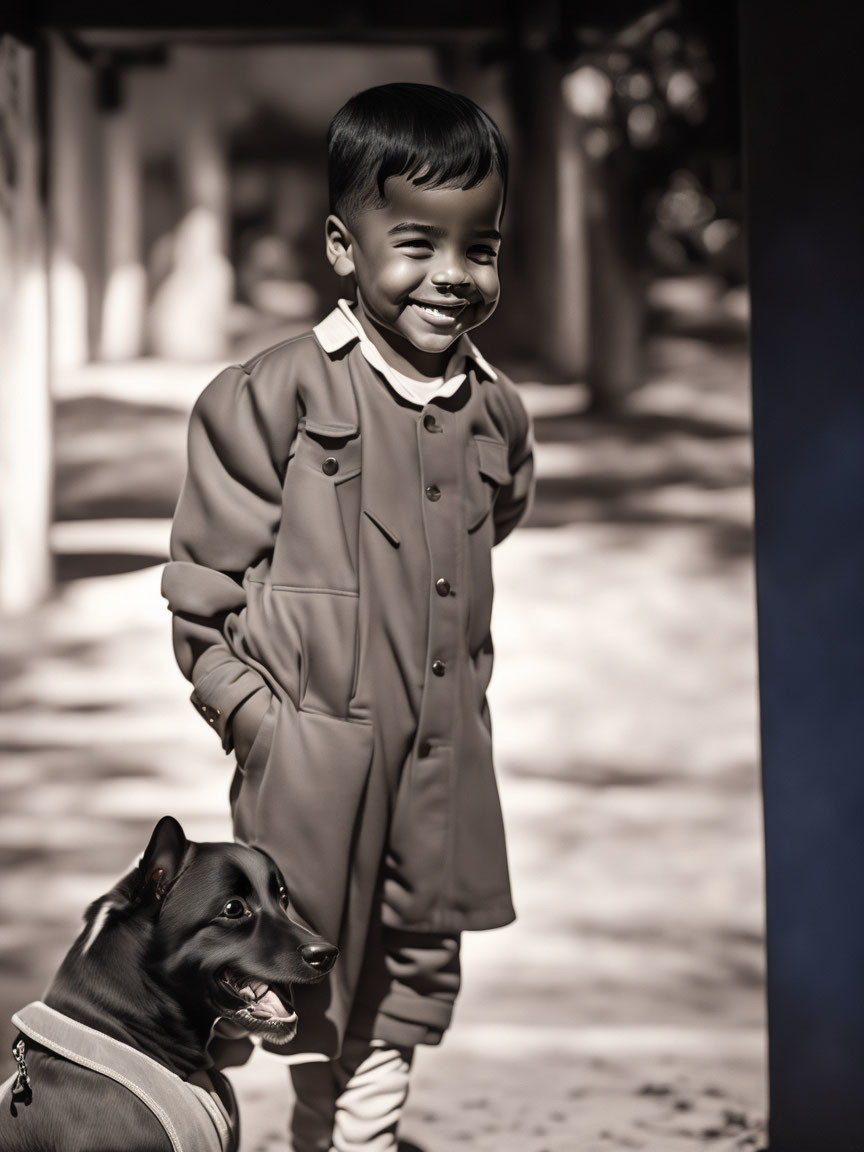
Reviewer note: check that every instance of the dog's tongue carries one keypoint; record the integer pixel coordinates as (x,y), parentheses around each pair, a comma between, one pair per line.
(265,1004)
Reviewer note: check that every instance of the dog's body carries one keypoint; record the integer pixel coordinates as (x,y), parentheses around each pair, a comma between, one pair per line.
(195,933)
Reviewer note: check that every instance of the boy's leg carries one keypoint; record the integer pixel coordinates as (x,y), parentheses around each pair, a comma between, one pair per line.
(373,1088)
(408,987)
(314,1106)
(405,997)
(353,1103)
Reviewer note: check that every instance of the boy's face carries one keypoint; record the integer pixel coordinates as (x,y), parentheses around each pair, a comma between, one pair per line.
(426,267)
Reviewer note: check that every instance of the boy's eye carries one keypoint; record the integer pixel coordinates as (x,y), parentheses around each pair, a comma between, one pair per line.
(422,246)
(483,255)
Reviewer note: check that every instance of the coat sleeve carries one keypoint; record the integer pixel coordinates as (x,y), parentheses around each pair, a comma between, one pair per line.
(514,502)
(226,519)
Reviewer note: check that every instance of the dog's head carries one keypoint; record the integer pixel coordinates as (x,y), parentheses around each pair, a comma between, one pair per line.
(219,934)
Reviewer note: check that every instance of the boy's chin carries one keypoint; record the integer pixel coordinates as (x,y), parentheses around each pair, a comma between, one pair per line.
(428,339)
(435,343)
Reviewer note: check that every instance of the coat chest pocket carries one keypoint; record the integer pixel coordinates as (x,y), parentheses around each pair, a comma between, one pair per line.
(316,546)
(329,447)
(488,472)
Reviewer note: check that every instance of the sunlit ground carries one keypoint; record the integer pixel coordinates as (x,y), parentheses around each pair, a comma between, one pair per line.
(624,1008)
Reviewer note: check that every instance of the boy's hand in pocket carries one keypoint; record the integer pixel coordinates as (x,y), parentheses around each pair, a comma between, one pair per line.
(246,722)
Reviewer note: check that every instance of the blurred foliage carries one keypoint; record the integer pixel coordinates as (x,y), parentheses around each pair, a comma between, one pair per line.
(658,101)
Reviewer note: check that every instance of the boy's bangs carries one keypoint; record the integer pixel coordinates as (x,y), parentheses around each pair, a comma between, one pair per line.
(464,159)
(433,137)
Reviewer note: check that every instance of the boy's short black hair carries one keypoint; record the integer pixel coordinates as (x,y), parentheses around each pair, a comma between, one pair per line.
(428,134)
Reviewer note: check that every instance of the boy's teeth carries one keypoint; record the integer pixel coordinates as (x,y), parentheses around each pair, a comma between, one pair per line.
(437,311)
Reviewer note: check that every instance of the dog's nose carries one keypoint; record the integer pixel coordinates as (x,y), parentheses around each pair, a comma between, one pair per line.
(321,957)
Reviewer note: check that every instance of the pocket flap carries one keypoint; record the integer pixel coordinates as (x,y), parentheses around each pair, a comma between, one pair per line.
(331,448)
(385,528)
(492,456)
(333,428)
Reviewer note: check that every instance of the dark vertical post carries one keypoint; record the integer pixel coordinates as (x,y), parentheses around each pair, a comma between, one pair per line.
(803,72)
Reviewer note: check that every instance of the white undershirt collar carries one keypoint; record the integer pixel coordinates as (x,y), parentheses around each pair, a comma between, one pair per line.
(341,326)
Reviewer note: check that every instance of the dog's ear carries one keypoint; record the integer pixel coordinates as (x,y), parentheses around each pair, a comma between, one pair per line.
(162,860)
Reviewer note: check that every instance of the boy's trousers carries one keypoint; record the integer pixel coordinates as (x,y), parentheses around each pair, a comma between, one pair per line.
(352,1103)
(405,997)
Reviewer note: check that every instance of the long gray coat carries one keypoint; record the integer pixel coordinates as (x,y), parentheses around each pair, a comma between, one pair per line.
(331,546)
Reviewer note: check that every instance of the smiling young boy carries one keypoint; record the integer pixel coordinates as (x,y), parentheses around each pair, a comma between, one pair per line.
(331,586)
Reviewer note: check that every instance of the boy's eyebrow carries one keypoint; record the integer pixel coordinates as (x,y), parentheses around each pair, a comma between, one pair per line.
(439,233)
(428,229)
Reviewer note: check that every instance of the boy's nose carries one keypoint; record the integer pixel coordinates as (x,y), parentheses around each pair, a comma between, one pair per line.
(450,277)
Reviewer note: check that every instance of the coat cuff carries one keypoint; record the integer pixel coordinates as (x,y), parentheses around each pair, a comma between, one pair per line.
(220,691)
(523,480)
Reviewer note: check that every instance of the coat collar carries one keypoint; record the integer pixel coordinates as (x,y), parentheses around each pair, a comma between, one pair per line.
(341,327)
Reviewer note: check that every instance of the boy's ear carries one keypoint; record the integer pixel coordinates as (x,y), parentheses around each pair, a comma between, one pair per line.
(339,246)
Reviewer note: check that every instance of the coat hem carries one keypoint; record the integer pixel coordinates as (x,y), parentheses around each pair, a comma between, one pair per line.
(448,920)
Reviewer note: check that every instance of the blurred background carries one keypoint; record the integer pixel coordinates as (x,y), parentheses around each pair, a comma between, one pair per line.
(162,197)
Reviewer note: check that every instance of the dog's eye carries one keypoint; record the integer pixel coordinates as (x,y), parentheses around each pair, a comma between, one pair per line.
(283,899)
(234,909)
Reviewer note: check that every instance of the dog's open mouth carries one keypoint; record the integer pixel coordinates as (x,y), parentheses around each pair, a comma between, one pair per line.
(263,1011)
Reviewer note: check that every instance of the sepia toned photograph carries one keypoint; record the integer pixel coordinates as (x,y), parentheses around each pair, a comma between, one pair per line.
(429,579)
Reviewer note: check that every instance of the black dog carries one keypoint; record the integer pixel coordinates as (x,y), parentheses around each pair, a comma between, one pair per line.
(197,932)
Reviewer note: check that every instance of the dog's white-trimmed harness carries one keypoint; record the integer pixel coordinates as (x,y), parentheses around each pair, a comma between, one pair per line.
(195,1117)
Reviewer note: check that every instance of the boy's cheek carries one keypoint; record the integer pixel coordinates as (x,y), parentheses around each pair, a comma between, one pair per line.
(389,283)
(401,281)
(489,284)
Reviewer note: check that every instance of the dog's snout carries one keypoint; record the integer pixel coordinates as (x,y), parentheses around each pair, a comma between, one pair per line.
(321,957)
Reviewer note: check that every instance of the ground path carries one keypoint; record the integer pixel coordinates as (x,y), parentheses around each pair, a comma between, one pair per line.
(624,1008)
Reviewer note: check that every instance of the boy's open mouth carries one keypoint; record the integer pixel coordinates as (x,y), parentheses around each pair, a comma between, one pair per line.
(439,314)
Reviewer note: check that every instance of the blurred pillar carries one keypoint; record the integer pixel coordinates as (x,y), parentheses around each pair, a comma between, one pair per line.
(204,167)
(25,411)
(200,287)
(75,241)
(804,165)
(616,279)
(548,201)
(572,330)
(617,287)
(125,295)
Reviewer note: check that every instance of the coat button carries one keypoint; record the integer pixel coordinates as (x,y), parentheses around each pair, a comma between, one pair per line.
(433,492)
(330,466)
(431,424)
(424,749)
(439,667)
(442,587)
